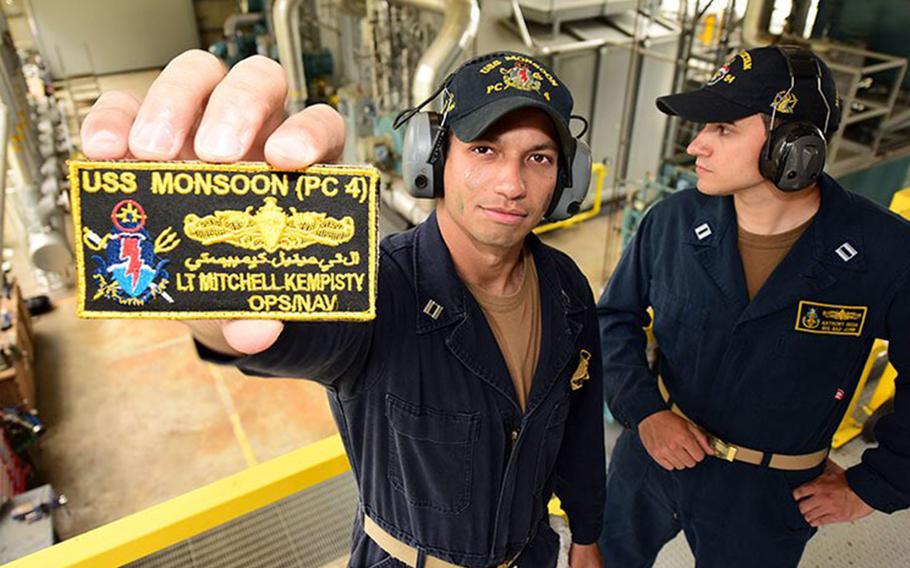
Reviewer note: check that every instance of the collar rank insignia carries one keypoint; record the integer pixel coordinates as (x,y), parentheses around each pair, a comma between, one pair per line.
(581,374)
(187,240)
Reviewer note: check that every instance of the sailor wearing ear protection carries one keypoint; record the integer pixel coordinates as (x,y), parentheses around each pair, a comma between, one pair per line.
(476,392)
(768,285)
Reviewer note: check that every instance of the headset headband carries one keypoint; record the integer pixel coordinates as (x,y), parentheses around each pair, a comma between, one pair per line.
(802,64)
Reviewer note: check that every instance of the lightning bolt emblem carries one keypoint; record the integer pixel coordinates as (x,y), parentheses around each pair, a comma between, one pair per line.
(129,250)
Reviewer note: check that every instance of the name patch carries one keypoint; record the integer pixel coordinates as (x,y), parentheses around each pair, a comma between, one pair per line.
(831,319)
(188,240)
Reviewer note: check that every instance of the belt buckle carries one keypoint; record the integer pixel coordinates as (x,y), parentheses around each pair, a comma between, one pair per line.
(722,449)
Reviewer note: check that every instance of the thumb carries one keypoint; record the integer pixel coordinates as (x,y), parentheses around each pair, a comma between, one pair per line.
(252,336)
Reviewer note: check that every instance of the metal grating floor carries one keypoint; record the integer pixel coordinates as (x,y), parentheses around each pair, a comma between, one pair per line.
(306,530)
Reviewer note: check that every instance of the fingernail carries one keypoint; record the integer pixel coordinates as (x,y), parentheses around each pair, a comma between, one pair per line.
(292,149)
(103,141)
(221,141)
(156,137)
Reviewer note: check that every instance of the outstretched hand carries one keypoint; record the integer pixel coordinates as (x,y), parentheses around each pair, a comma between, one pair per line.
(196,109)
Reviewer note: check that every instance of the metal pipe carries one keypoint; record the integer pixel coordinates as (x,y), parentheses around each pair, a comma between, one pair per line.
(633,84)
(4,136)
(522,25)
(458,30)
(231,24)
(286,21)
(668,140)
(756,23)
(234,21)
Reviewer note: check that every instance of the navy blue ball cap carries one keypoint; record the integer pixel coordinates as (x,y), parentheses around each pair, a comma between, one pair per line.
(488,87)
(759,81)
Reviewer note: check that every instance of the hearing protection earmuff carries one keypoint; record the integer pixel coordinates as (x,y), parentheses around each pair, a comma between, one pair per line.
(424,150)
(794,153)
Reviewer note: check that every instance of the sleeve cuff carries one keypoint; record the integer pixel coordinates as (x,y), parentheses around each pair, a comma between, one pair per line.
(585,533)
(643,405)
(872,489)
(212,356)
(218,358)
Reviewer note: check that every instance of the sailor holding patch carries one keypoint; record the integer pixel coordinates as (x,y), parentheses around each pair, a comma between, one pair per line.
(476,391)
(768,286)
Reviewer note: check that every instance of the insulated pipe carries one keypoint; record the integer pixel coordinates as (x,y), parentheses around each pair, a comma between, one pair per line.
(230,29)
(286,21)
(4,136)
(756,23)
(459,29)
(234,21)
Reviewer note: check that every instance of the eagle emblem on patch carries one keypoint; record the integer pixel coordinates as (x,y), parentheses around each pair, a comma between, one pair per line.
(270,228)
(129,270)
(830,319)
(581,373)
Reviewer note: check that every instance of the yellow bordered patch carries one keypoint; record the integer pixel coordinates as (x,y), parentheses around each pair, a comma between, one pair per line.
(830,319)
(190,240)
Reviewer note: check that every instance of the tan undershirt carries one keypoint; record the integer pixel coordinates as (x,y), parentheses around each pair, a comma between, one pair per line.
(515,322)
(762,253)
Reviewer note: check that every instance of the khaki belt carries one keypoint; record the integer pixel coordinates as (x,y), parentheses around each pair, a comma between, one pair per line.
(732,452)
(405,552)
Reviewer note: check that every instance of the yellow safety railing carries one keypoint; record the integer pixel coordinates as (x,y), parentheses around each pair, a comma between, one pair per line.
(599,174)
(850,427)
(158,527)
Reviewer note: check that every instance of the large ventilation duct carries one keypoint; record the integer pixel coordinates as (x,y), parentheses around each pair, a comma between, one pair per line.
(756,23)
(461,20)
(286,21)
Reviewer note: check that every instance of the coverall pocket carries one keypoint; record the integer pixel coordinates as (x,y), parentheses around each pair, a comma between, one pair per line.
(791,517)
(807,370)
(431,455)
(549,449)
(678,326)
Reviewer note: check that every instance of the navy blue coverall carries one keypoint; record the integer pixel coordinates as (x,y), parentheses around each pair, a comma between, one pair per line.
(443,456)
(774,374)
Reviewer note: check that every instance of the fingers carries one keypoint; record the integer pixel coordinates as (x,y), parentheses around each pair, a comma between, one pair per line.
(823,520)
(173,104)
(252,336)
(250,98)
(682,460)
(816,511)
(106,129)
(693,448)
(701,439)
(806,506)
(315,134)
(805,490)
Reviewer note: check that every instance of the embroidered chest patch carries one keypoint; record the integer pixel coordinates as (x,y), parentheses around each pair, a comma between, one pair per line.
(194,240)
(830,319)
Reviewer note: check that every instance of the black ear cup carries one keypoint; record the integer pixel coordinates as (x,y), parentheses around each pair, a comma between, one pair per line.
(794,155)
(423,155)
